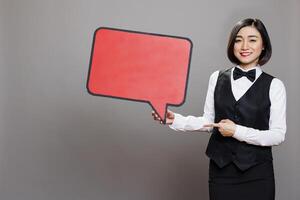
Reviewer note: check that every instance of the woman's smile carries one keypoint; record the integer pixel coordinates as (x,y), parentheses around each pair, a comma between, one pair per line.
(245,54)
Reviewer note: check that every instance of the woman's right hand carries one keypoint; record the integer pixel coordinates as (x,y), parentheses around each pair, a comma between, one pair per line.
(169,117)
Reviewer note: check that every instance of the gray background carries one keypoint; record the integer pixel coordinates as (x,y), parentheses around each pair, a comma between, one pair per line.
(58,142)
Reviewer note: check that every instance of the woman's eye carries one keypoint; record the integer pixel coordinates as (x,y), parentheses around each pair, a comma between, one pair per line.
(252,40)
(237,41)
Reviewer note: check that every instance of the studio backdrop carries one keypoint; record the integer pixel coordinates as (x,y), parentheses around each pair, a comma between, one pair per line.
(59,142)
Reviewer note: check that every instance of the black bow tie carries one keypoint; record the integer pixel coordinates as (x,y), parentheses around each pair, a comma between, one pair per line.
(238,73)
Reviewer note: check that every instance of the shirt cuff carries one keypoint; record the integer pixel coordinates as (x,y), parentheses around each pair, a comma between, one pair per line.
(175,123)
(240,133)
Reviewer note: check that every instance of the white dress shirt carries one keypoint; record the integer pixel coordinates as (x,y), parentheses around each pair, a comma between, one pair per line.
(277,122)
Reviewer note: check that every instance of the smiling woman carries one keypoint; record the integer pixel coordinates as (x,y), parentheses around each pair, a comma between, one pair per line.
(245,110)
(248,46)
(249,36)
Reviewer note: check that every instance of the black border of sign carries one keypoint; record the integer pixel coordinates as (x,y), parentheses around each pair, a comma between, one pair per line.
(139,32)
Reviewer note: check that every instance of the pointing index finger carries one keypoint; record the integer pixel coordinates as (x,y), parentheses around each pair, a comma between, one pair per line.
(212,125)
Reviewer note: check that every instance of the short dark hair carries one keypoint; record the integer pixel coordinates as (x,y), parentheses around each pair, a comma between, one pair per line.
(267,51)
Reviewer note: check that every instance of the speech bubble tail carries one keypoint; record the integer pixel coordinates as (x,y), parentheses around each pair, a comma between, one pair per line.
(160,109)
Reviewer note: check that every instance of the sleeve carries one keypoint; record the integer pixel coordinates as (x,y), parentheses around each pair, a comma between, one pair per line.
(277,123)
(192,123)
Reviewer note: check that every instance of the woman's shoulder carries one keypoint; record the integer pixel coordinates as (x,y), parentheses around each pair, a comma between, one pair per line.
(277,83)
(277,88)
(216,73)
(213,77)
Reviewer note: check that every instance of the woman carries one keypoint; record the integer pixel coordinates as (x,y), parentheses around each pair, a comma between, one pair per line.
(245,109)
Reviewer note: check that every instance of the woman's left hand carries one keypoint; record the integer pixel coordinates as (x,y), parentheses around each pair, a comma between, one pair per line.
(225,126)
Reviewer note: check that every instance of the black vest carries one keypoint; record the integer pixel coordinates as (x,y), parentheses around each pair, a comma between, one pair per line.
(251,110)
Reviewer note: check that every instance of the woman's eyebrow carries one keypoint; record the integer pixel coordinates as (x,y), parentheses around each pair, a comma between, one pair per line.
(239,36)
(253,36)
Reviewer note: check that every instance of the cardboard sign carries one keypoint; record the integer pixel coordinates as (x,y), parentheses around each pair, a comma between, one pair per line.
(139,66)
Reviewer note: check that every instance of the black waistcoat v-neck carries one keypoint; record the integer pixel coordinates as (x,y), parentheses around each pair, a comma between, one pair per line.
(251,110)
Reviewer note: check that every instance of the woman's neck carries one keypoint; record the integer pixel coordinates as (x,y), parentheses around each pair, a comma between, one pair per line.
(247,67)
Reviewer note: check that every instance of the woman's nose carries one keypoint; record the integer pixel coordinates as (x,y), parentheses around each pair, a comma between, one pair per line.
(244,45)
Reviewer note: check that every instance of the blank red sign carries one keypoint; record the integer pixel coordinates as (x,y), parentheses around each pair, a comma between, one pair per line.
(138,66)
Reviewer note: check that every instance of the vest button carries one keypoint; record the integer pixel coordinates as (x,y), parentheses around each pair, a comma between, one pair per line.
(236,117)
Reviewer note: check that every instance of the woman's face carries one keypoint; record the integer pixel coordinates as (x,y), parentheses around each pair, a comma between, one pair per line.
(248,46)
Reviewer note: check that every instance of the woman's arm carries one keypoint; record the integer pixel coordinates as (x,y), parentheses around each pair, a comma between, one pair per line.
(192,123)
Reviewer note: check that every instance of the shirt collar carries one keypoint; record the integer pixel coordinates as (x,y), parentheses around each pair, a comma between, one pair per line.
(257,67)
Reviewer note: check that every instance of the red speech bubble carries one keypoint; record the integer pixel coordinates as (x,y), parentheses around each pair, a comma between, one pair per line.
(140,66)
